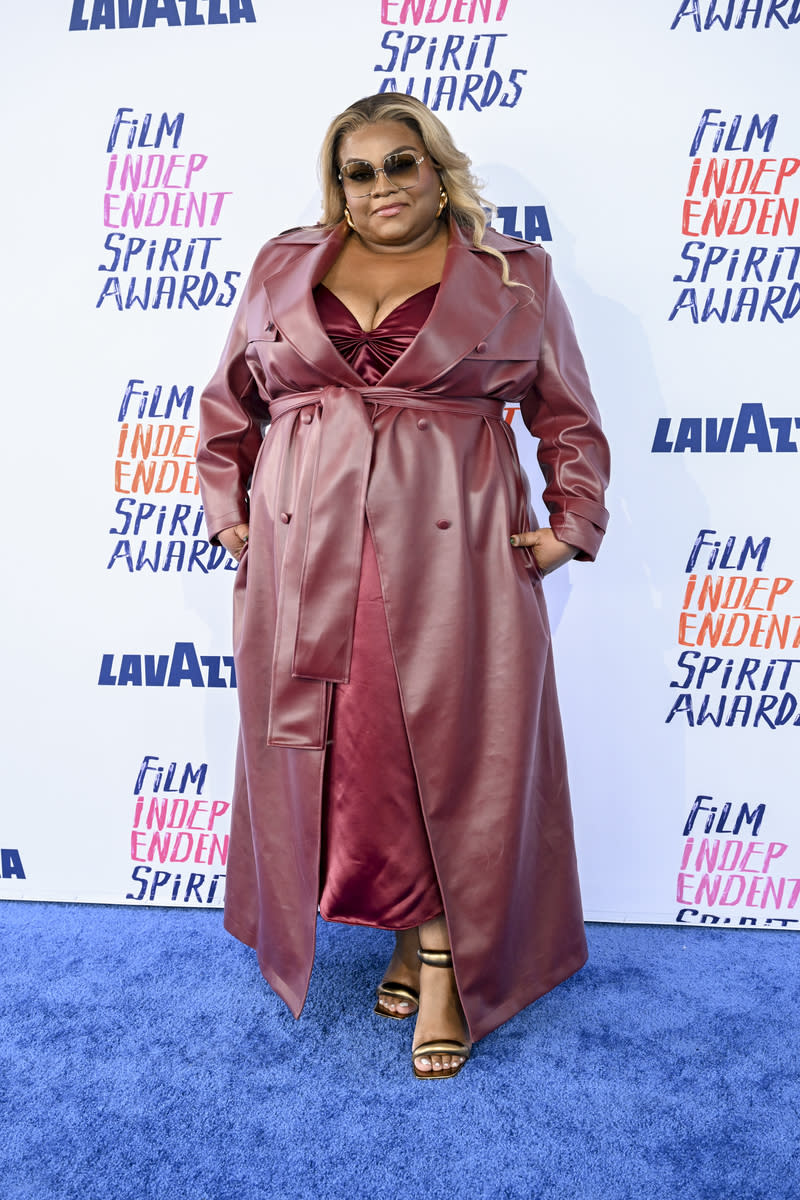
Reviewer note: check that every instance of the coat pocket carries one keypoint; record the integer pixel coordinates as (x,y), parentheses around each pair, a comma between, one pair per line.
(527,563)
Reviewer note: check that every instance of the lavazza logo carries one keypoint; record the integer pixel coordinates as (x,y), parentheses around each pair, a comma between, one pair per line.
(751,429)
(183,665)
(146,14)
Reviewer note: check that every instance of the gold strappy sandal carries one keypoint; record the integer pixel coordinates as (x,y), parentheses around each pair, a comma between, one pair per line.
(439,958)
(398,991)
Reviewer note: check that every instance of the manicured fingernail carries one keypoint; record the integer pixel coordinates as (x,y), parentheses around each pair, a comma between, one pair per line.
(513,541)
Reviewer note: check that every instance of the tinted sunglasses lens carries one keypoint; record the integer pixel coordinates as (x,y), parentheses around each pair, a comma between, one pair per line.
(358,178)
(401,169)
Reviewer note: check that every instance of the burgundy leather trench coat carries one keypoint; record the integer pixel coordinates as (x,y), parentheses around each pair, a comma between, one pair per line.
(428,457)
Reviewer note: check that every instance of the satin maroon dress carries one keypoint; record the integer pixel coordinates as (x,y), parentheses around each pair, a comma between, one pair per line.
(376,860)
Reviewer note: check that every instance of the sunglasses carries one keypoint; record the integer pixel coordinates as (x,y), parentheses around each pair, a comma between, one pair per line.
(401,170)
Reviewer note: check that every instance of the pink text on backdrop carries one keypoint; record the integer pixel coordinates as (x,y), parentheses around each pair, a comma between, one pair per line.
(153,170)
(176,828)
(732,871)
(433,12)
(155,190)
(179,847)
(154,209)
(151,195)
(734,888)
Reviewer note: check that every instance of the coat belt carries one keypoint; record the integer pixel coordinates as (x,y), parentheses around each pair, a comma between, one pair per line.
(322,559)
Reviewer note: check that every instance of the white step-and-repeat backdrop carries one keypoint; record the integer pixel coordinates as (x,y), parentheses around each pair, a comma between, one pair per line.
(151,146)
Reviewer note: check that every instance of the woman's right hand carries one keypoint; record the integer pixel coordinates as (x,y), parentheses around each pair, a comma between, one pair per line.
(234,540)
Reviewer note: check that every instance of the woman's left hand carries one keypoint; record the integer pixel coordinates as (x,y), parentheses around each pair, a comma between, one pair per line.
(548,551)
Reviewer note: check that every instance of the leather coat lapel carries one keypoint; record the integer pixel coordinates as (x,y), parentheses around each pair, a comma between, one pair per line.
(468,307)
(292,307)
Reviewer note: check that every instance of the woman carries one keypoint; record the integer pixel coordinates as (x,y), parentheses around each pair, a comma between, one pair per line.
(401,762)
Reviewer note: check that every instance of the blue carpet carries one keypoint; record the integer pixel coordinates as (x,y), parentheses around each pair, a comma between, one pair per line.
(143,1058)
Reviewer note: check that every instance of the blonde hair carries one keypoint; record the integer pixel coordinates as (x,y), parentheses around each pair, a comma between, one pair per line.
(452,166)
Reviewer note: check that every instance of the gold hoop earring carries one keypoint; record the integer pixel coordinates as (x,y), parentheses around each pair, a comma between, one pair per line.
(349,219)
(443,199)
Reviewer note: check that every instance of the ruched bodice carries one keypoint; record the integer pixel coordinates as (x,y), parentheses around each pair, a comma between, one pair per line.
(371,352)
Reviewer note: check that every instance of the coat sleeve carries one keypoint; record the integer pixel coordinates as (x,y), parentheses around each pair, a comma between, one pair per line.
(560,410)
(231,417)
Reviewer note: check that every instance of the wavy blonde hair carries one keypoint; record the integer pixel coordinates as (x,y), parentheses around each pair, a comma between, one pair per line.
(452,166)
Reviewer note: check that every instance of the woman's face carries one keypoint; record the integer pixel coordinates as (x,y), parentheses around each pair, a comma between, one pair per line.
(391,216)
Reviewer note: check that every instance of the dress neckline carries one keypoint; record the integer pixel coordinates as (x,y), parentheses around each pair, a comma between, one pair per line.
(391,313)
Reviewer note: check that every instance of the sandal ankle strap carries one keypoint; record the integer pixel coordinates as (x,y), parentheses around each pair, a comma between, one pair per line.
(435,958)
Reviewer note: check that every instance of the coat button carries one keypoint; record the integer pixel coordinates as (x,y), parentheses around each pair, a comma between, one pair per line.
(481,348)
(443,524)
(307,417)
(285,518)
(422,423)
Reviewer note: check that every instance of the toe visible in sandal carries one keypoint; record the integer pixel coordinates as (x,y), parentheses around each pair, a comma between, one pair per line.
(398,991)
(426,1049)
